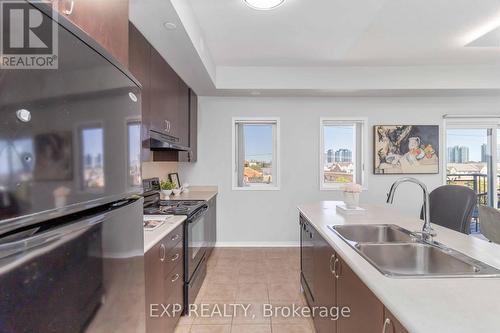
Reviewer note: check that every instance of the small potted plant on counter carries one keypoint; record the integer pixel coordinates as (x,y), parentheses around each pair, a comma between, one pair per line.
(351,195)
(166,187)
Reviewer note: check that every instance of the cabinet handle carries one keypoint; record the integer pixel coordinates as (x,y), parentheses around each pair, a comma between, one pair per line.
(387,323)
(332,269)
(163,251)
(175,278)
(176,237)
(335,270)
(174,258)
(71,7)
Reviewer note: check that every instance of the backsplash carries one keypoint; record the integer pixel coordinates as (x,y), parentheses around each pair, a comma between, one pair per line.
(158,169)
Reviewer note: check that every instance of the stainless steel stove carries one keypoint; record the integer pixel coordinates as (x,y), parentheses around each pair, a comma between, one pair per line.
(195,234)
(173,207)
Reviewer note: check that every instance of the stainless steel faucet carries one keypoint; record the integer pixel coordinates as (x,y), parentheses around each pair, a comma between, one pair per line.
(427,231)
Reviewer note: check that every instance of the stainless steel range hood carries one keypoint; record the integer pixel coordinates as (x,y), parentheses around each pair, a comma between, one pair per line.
(160,141)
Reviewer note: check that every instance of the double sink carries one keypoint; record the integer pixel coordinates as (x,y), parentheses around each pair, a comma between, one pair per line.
(397,252)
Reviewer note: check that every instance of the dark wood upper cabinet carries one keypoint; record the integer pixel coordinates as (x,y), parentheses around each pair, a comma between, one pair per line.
(169,106)
(106,21)
(164,96)
(192,155)
(140,67)
(367,311)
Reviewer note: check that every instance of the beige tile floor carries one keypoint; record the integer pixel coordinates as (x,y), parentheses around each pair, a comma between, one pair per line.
(252,276)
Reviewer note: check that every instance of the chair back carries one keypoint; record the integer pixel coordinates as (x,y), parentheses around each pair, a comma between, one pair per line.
(451,206)
(490,223)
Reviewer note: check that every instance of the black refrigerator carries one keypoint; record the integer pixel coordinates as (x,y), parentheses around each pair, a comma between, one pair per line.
(71,235)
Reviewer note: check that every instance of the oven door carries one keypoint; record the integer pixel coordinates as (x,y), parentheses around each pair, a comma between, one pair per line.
(196,241)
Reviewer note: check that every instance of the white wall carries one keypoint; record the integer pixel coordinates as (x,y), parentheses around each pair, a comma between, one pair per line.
(270,217)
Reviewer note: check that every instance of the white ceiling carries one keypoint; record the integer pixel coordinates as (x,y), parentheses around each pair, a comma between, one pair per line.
(345,32)
(223,45)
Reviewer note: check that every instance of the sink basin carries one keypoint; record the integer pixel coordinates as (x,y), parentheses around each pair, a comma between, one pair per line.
(373,233)
(420,259)
(395,252)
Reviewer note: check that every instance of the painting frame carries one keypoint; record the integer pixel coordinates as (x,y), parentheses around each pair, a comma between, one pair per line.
(409,146)
(174,178)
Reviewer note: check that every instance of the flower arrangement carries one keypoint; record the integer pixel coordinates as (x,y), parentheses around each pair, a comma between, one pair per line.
(166,187)
(352,188)
(351,195)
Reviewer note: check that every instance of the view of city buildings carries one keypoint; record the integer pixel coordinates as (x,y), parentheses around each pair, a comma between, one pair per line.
(338,166)
(468,155)
(258,172)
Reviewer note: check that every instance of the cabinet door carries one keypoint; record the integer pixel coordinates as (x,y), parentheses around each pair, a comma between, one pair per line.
(104,21)
(193,126)
(140,67)
(181,118)
(192,155)
(391,324)
(366,310)
(164,90)
(325,283)
(155,290)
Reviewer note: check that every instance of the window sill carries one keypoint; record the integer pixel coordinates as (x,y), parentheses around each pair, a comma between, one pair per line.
(256,188)
(337,188)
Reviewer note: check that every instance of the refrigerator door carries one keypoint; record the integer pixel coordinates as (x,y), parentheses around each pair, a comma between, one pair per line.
(69,138)
(85,275)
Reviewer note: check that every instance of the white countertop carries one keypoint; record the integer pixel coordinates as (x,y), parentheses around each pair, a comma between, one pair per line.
(197,193)
(442,305)
(151,237)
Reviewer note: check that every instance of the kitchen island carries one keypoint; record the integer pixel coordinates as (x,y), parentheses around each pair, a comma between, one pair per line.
(419,304)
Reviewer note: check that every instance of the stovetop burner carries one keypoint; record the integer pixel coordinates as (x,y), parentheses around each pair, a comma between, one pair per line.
(173,207)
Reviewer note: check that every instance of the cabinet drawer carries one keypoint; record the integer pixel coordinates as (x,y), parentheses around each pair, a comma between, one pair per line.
(174,285)
(173,238)
(174,257)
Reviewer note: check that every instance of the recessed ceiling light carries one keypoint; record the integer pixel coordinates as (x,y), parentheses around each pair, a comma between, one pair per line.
(170,25)
(264,4)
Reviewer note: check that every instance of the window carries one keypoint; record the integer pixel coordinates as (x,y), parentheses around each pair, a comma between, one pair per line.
(256,153)
(92,141)
(341,152)
(134,153)
(472,156)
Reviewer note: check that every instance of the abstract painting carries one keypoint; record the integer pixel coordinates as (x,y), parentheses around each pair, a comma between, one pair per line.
(406,149)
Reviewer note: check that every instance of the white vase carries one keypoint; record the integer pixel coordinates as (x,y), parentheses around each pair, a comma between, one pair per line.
(351,200)
(166,193)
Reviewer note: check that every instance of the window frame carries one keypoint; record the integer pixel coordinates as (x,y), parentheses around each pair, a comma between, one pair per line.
(275,186)
(132,121)
(81,157)
(475,122)
(360,146)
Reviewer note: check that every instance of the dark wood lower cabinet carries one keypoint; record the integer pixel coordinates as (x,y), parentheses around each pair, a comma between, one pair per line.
(391,324)
(366,311)
(327,281)
(164,267)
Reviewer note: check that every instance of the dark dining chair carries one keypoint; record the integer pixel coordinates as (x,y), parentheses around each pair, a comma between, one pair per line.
(490,223)
(451,206)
